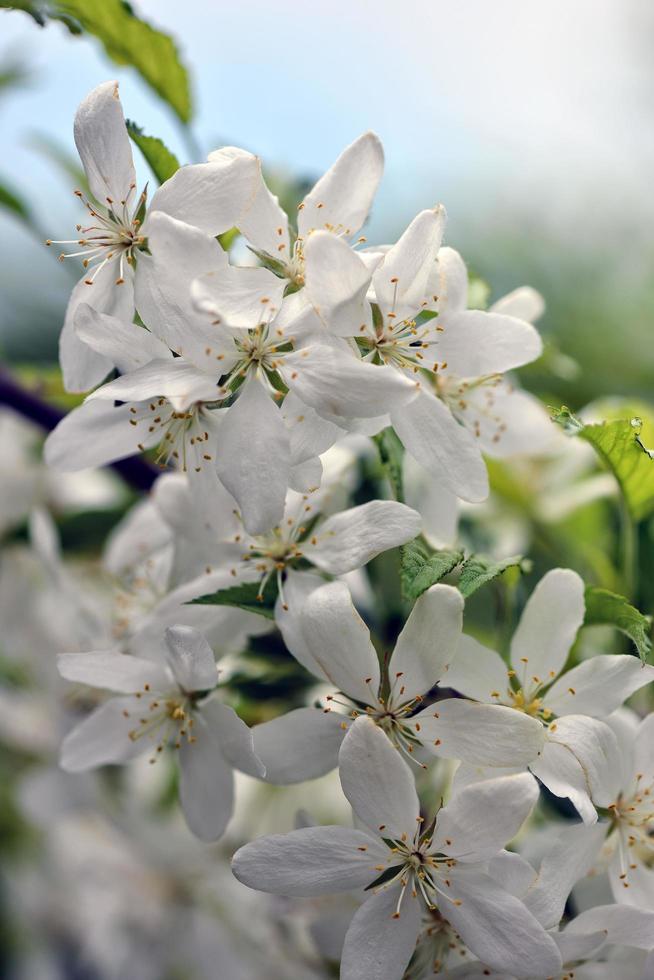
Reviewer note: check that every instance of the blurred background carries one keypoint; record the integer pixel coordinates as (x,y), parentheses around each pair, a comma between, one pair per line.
(530,122)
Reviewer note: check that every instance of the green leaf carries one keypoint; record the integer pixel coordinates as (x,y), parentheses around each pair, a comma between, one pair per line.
(609,609)
(477,571)
(619,445)
(128,40)
(421,567)
(391,453)
(11,202)
(162,162)
(244,597)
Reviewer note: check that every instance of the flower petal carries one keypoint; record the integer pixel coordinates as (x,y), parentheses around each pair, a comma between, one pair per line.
(439,508)
(102,738)
(112,671)
(478,672)
(240,298)
(376,781)
(379,945)
(176,379)
(302,744)
(475,343)
(524,302)
(264,222)
(234,736)
(191,659)
(341,199)
(258,478)
(401,281)
(450,282)
(288,617)
(598,686)
(338,639)
(211,195)
(559,770)
(443,447)
(126,345)
(103,144)
(206,783)
(482,818)
(354,537)
(595,746)
(310,861)
(336,282)
(94,434)
(622,924)
(479,734)
(427,643)
(548,625)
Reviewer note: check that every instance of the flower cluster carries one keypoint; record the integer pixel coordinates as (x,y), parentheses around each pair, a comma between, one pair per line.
(258,388)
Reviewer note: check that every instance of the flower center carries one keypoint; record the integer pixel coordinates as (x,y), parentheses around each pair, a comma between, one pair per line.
(184,435)
(167,718)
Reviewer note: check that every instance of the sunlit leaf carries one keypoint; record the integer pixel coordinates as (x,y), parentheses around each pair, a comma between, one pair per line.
(162,162)
(608,609)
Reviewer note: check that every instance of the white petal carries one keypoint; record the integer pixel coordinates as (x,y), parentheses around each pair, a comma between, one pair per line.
(310,861)
(354,537)
(376,781)
(82,367)
(103,737)
(297,587)
(336,282)
(449,283)
(179,254)
(401,281)
(238,297)
(548,626)
(310,434)
(341,199)
(439,508)
(427,643)
(599,685)
(377,945)
(623,924)
(211,195)
(517,424)
(264,222)
(141,534)
(595,747)
(479,734)
(478,672)
(580,948)
(524,302)
(175,379)
(476,343)
(443,447)
(112,671)
(498,928)
(302,744)
(337,383)
(637,889)
(94,434)
(234,737)
(644,745)
(339,641)
(568,860)
(482,818)
(103,144)
(206,783)
(258,478)
(559,770)
(126,345)
(191,659)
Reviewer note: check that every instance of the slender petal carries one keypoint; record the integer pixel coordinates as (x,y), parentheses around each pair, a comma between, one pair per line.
(560,771)
(94,434)
(175,379)
(206,783)
(353,537)
(376,781)
(341,199)
(191,659)
(427,643)
(478,672)
(548,625)
(258,478)
(378,945)
(297,587)
(112,671)
(524,302)
(103,144)
(336,282)
(310,861)
(126,345)
(102,738)
(339,641)
(264,222)
(451,282)
(599,685)
(442,446)
(479,734)
(302,744)
(401,281)
(439,508)
(234,737)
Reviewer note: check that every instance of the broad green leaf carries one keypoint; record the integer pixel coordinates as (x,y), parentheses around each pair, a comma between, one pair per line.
(619,445)
(477,571)
(128,40)
(162,162)
(421,567)
(608,609)
(244,597)
(11,202)
(391,452)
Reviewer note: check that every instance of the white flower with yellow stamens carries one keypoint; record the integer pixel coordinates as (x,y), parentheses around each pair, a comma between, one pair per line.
(409,866)
(161,706)
(208,196)
(580,751)
(330,639)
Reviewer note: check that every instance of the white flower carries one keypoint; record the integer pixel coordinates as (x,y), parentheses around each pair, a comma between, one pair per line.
(580,752)
(330,639)
(208,196)
(415,321)
(159,706)
(409,866)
